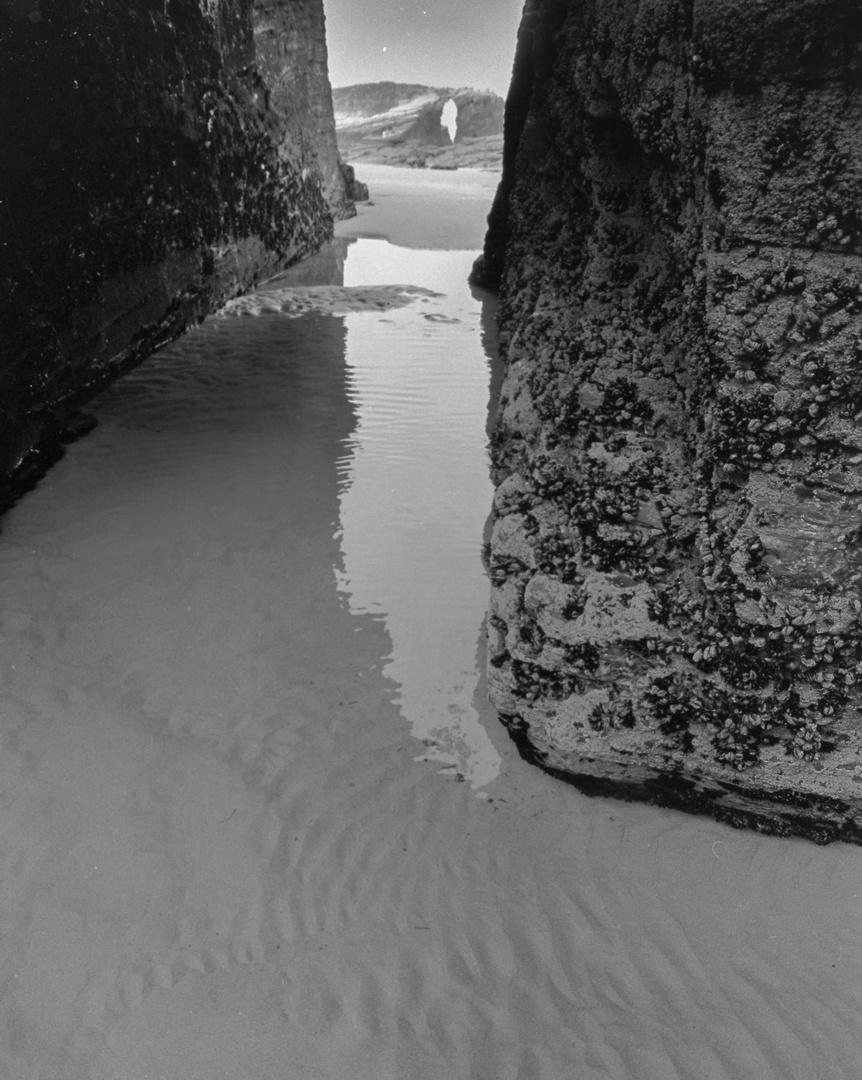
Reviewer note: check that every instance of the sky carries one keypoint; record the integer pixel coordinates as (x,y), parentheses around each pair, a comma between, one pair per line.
(435,42)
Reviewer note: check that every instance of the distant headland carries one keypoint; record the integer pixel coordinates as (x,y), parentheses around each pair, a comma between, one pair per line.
(404,124)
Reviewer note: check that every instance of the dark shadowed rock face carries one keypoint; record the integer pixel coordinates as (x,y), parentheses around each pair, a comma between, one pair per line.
(290,53)
(676,556)
(355,190)
(167,155)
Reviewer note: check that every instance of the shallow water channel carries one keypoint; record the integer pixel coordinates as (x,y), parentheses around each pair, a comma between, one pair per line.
(256,817)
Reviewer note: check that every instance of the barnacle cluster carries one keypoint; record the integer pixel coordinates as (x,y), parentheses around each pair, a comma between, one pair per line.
(555,555)
(616,713)
(534,681)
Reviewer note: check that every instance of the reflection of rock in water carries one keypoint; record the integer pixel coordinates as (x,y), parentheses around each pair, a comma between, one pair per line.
(419,383)
(325,267)
(491,345)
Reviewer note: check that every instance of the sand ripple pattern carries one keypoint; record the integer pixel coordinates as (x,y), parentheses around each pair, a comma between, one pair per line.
(218,854)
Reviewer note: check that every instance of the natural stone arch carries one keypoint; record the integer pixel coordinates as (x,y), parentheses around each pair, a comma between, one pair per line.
(449,118)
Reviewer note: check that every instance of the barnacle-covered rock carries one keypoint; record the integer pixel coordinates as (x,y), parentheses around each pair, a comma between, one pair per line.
(678,246)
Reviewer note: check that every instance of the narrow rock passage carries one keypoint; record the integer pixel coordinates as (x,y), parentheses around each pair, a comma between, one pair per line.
(225,849)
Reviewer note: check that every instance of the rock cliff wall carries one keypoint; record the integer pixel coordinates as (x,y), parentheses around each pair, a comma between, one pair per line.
(677,547)
(160,157)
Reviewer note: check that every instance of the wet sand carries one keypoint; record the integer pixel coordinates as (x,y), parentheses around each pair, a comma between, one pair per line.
(424,208)
(229,849)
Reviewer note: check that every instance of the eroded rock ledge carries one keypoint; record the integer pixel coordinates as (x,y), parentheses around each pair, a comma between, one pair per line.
(677,548)
(160,157)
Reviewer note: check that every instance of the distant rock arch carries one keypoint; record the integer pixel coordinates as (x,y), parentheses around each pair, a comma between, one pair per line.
(479,114)
(397,112)
(449,118)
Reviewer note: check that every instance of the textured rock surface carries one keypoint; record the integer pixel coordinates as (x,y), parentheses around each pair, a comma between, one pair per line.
(290,53)
(677,555)
(167,155)
(401,124)
(355,190)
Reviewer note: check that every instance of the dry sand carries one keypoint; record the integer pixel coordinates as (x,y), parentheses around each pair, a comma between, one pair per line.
(221,858)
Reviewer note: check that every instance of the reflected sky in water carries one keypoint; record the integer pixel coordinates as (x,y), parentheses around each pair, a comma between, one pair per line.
(416,493)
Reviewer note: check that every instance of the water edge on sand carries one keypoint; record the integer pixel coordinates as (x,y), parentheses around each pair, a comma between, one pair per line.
(229,846)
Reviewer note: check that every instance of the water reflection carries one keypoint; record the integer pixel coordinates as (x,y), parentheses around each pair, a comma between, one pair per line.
(210,846)
(415,493)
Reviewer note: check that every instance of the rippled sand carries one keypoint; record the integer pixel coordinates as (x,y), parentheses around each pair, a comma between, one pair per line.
(256,819)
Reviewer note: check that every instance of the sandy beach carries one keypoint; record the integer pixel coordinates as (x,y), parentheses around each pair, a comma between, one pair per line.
(257,819)
(423,208)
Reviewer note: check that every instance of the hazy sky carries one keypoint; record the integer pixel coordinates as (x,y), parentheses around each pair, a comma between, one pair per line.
(436,42)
